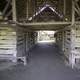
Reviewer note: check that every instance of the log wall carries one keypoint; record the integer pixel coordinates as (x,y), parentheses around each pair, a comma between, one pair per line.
(68,40)
(8,43)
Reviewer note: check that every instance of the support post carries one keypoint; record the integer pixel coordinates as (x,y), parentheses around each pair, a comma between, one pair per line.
(27,10)
(64,10)
(77,6)
(14,10)
(73,12)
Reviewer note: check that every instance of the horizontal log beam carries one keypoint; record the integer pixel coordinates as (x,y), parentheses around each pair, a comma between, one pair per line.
(43,23)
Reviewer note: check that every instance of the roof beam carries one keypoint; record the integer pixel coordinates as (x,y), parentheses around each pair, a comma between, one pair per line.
(6,7)
(77,11)
(9,13)
(76,4)
(43,8)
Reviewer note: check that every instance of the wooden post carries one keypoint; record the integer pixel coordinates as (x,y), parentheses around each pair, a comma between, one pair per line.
(64,10)
(73,12)
(14,10)
(6,7)
(27,10)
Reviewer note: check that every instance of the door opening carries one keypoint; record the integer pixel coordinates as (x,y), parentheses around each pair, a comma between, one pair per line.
(45,36)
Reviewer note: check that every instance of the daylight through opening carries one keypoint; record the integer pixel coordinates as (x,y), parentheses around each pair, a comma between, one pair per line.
(45,36)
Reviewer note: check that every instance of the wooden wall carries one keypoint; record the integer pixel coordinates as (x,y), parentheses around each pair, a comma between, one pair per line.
(7,43)
(68,40)
(15,42)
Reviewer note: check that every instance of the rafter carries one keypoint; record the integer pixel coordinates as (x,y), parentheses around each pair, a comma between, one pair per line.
(9,13)
(6,7)
(77,6)
(77,11)
(43,8)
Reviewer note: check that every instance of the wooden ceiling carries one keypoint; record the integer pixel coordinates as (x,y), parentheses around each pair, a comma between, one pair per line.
(26,9)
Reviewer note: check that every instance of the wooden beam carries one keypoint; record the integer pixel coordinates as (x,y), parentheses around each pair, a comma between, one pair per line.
(44,23)
(10,2)
(14,10)
(73,12)
(64,10)
(9,13)
(6,7)
(76,4)
(77,11)
(27,10)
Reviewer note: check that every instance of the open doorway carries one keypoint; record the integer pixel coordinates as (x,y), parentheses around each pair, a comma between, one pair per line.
(45,36)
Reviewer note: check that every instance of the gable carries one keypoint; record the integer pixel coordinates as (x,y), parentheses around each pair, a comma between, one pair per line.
(46,11)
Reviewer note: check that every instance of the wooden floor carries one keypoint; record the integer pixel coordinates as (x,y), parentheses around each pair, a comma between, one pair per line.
(45,64)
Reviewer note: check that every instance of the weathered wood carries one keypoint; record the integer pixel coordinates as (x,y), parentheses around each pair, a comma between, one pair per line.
(14,10)
(6,7)
(73,12)
(44,23)
(8,43)
(70,41)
